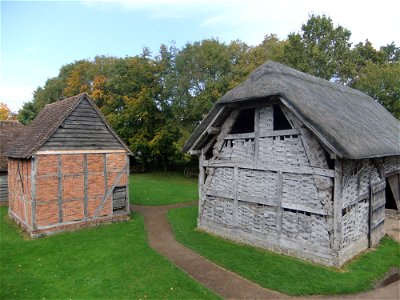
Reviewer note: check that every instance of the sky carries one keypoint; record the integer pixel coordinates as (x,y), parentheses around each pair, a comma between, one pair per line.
(39,37)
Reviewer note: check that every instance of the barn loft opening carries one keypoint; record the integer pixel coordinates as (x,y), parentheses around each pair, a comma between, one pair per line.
(392,187)
(244,122)
(280,120)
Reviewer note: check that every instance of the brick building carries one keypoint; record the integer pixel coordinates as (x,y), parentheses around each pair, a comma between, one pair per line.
(9,130)
(67,169)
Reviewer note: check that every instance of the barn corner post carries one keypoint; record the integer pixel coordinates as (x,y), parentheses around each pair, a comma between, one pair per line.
(201,184)
(337,210)
(33,190)
(128,169)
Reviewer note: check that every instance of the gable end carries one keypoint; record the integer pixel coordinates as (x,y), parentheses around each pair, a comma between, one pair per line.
(82,129)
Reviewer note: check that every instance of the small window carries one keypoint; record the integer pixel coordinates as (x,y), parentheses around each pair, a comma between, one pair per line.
(244,122)
(119,198)
(280,120)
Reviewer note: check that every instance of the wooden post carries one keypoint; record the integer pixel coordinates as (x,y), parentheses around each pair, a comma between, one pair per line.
(370,214)
(256,134)
(60,191)
(337,205)
(85,186)
(201,181)
(33,190)
(235,194)
(127,184)
(106,178)
(279,209)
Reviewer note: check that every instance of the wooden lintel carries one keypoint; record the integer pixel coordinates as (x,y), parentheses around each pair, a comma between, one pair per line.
(264,166)
(47,152)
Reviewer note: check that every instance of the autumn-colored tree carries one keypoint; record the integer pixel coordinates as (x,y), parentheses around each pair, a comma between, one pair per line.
(154,102)
(5,112)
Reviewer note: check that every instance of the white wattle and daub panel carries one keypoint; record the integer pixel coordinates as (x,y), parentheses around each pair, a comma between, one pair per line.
(267,182)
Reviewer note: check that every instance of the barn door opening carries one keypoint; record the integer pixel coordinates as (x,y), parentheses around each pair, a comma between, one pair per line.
(119,198)
(393,192)
(376,222)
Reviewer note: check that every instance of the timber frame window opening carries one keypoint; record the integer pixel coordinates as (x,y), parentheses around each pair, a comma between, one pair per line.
(119,198)
(244,122)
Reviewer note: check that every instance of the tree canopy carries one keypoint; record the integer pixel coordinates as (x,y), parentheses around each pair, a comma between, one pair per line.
(154,101)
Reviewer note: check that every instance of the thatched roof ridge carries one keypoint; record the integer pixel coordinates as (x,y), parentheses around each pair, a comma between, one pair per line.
(348,122)
(46,123)
(9,131)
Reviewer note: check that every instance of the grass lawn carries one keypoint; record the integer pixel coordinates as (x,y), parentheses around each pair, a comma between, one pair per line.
(281,273)
(106,262)
(161,188)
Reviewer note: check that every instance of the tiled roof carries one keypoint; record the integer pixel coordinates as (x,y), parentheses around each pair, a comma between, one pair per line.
(9,131)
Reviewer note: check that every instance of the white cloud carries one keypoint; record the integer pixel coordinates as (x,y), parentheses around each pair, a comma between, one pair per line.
(15,95)
(256,18)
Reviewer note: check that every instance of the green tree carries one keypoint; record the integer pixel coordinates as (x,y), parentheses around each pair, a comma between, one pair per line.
(320,49)
(27,113)
(381,82)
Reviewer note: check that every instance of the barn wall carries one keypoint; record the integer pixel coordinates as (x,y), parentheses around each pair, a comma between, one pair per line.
(391,165)
(20,197)
(363,203)
(72,190)
(270,188)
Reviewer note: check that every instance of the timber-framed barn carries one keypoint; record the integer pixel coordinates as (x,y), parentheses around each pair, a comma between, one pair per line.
(298,165)
(68,169)
(9,131)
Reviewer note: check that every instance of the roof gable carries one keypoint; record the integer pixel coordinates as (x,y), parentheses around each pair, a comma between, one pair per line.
(348,122)
(83,128)
(47,130)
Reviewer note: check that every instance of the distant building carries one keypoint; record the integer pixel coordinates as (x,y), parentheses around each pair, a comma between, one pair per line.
(298,165)
(9,131)
(68,169)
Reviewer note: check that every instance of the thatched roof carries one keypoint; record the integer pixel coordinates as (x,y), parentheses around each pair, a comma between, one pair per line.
(348,122)
(9,131)
(46,123)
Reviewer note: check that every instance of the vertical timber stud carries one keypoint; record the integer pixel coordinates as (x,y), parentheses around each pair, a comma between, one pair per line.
(337,207)
(128,169)
(256,133)
(105,173)
(85,186)
(235,199)
(60,191)
(33,191)
(370,202)
(201,183)
(279,209)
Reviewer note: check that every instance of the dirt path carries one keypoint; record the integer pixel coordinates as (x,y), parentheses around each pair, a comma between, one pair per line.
(225,283)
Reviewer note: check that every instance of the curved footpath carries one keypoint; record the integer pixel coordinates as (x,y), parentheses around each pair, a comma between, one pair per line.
(223,282)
